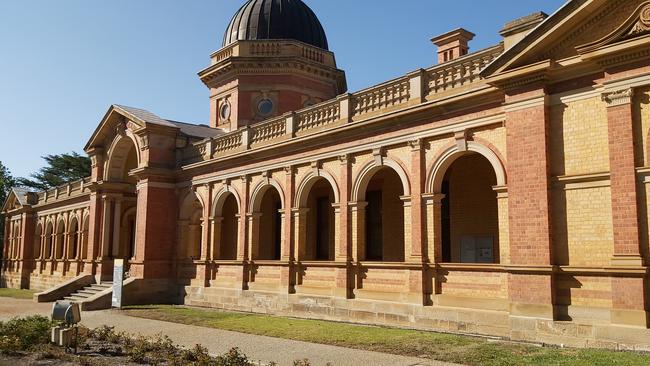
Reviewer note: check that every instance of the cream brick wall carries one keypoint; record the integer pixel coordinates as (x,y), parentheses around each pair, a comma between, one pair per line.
(582,226)
(579,138)
(479,285)
(402,154)
(495,136)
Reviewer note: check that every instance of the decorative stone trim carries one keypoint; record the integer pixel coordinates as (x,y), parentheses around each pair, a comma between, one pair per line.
(643,25)
(618,97)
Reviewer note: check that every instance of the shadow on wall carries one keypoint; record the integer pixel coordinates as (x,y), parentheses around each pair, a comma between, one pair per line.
(152,292)
(564,285)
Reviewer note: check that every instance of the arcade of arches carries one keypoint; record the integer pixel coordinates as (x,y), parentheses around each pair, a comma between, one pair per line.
(492,193)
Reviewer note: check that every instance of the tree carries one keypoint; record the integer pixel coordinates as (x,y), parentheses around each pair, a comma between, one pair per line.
(6,183)
(60,169)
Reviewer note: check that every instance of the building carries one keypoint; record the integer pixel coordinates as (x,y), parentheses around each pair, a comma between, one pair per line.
(501,192)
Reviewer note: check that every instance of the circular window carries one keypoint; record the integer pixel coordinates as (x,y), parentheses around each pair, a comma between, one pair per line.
(224,112)
(265,106)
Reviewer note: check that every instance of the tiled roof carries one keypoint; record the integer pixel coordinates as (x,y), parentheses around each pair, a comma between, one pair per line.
(194,130)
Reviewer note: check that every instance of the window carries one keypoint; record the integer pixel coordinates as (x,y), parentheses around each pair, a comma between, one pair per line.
(265,107)
(224,111)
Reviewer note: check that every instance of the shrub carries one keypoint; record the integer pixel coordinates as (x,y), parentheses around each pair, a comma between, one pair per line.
(234,357)
(21,334)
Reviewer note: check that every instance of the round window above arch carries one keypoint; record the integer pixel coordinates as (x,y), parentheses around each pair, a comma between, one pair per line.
(265,107)
(225,110)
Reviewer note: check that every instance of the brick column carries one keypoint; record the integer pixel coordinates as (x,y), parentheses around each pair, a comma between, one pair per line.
(117,226)
(628,303)
(433,204)
(288,255)
(242,239)
(216,222)
(287,232)
(530,280)
(28,229)
(155,237)
(104,269)
(417,213)
(502,207)
(206,228)
(300,228)
(5,239)
(253,235)
(344,278)
(358,223)
(94,232)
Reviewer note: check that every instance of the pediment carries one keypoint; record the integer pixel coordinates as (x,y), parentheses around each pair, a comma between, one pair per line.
(636,25)
(116,121)
(17,199)
(578,24)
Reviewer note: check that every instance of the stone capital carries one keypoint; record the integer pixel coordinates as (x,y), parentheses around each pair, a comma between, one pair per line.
(433,198)
(618,97)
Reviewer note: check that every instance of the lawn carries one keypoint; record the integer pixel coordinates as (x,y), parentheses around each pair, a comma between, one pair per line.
(443,347)
(16,294)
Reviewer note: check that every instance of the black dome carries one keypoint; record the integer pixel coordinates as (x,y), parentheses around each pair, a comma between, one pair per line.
(276,19)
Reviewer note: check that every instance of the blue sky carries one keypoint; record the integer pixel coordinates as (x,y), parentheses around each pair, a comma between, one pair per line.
(64,62)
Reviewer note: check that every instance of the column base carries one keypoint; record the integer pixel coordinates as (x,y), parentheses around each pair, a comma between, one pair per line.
(635,318)
(540,311)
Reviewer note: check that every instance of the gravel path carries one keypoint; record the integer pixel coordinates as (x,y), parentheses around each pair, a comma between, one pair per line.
(264,349)
(11,308)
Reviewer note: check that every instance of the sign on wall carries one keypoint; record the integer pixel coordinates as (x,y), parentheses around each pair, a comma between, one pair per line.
(118,281)
(476,249)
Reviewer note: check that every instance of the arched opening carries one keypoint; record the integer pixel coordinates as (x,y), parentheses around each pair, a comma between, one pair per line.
(191,224)
(127,244)
(16,246)
(84,241)
(270,226)
(38,236)
(47,248)
(123,158)
(73,237)
(59,241)
(320,228)
(469,212)
(229,226)
(384,217)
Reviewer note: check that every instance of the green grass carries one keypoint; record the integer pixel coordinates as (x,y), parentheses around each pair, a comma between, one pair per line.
(443,347)
(16,294)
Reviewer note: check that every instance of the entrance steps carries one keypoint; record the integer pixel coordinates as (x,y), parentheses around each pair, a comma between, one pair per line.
(88,292)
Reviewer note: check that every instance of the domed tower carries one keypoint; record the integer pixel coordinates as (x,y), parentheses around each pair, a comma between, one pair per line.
(274,59)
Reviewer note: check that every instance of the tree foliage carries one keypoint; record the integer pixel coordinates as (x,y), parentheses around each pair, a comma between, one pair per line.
(60,169)
(6,183)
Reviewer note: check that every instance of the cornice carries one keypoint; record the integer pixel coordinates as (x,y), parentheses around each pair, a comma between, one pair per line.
(268,65)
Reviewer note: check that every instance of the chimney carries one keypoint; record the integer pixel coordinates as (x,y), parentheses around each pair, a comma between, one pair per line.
(452,45)
(517,29)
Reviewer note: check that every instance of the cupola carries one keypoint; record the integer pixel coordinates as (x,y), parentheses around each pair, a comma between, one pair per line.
(274,59)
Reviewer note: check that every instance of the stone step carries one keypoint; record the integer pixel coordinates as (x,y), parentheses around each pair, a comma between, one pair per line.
(87,292)
(74,298)
(99,287)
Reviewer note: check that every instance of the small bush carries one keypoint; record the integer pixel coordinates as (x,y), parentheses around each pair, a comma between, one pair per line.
(234,357)
(21,334)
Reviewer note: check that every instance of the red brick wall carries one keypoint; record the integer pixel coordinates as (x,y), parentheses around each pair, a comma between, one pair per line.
(623,178)
(528,186)
(528,200)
